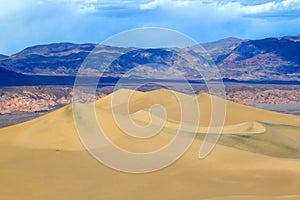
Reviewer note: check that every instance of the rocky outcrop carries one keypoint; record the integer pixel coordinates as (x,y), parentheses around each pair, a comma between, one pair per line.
(36,99)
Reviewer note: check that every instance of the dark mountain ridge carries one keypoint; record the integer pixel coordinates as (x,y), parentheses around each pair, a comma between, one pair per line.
(259,60)
(3,56)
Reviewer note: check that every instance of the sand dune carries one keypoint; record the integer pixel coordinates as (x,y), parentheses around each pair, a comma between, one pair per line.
(256,156)
(144,117)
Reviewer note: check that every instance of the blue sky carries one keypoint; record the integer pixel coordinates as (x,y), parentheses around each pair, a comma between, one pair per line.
(29,22)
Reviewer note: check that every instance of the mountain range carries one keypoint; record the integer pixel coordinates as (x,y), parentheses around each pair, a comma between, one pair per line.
(266,59)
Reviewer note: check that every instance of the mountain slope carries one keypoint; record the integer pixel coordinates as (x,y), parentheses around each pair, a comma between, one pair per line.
(9,77)
(2,57)
(59,58)
(264,59)
(221,48)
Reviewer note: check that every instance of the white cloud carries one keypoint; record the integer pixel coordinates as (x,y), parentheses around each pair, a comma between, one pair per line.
(45,21)
(271,7)
(219,5)
(261,8)
(86,6)
(90,8)
(156,3)
(149,5)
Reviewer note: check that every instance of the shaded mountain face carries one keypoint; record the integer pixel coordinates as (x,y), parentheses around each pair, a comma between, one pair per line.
(2,56)
(53,59)
(7,76)
(153,63)
(11,78)
(266,59)
(220,49)
(293,38)
(59,58)
(143,57)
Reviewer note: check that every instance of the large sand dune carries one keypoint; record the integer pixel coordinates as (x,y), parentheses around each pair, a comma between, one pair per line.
(256,156)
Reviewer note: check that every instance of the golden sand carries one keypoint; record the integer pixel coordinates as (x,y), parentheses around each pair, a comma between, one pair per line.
(256,156)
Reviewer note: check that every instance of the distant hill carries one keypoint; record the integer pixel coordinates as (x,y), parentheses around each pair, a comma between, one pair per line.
(266,59)
(11,78)
(57,58)
(222,47)
(293,38)
(243,60)
(3,56)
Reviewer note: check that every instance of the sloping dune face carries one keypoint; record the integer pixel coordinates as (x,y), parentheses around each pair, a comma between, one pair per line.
(256,156)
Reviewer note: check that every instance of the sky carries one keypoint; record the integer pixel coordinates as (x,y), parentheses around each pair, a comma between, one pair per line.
(26,23)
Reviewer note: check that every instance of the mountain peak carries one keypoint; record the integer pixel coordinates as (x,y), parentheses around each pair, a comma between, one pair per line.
(55,48)
(223,43)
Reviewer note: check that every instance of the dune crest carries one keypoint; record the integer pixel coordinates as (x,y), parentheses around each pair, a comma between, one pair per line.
(256,157)
(57,129)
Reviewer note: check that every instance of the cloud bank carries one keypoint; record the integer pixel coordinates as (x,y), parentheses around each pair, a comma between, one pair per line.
(26,23)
